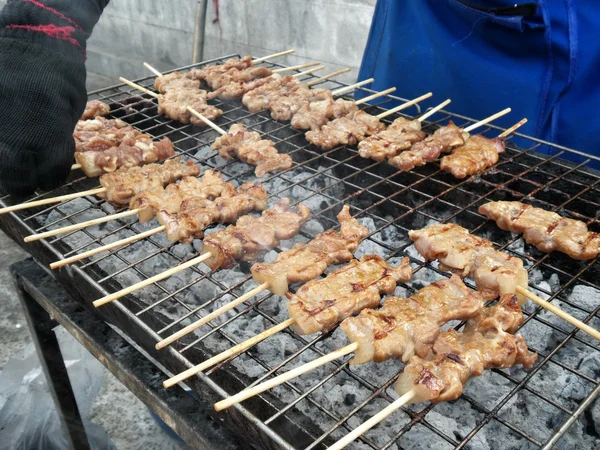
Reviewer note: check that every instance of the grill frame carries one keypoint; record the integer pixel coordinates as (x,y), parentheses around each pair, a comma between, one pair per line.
(143,322)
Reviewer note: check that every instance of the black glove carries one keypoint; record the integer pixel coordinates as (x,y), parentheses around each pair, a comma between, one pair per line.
(42,89)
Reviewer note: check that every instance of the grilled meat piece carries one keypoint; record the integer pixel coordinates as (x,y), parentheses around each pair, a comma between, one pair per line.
(322,303)
(196,214)
(247,146)
(313,115)
(258,99)
(485,343)
(217,80)
(174,102)
(475,156)
(236,89)
(134,151)
(94,108)
(547,230)
(496,273)
(175,80)
(250,235)
(284,107)
(443,140)
(305,261)
(399,136)
(347,130)
(229,65)
(403,327)
(101,134)
(122,184)
(209,186)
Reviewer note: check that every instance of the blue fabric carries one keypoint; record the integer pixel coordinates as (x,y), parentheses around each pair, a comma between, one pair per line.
(545,66)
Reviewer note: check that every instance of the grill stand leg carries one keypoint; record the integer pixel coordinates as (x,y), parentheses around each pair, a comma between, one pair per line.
(42,327)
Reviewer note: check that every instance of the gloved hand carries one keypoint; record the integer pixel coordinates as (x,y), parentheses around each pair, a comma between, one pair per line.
(42,89)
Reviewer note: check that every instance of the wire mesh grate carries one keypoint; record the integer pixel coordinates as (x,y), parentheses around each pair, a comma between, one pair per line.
(500,409)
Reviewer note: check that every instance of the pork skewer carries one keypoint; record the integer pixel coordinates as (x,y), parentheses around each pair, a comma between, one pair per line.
(321,304)
(354,127)
(400,329)
(444,139)
(278,215)
(476,155)
(95,108)
(487,342)
(547,230)
(119,186)
(495,273)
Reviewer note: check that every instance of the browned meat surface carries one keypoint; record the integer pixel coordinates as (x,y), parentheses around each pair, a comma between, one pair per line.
(230,64)
(403,327)
(258,99)
(135,151)
(475,156)
(95,108)
(321,304)
(236,89)
(122,184)
(217,80)
(485,343)
(250,236)
(443,140)
(284,107)
(399,136)
(496,273)
(313,115)
(196,214)
(305,261)
(547,230)
(175,80)
(173,104)
(101,134)
(347,130)
(247,146)
(209,186)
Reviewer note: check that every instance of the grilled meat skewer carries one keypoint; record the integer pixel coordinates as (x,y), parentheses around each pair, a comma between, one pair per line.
(547,230)
(476,155)
(347,130)
(400,135)
(95,108)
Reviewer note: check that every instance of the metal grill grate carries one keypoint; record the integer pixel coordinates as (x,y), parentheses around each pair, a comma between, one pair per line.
(499,409)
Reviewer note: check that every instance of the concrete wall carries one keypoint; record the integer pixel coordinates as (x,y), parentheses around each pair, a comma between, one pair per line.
(161,32)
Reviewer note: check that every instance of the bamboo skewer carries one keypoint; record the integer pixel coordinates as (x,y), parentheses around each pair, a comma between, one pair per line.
(326,77)
(104,248)
(152,69)
(346,89)
(138,87)
(374,96)
(366,426)
(213,315)
(433,110)
(274,55)
(77,226)
(308,72)
(404,105)
(226,354)
(299,66)
(487,120)
(76,166)
(207,121)
(510,130)
(161,276)
(47,201)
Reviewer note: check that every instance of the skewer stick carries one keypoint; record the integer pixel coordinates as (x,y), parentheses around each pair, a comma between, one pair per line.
(404,105)
(488,119)
(299,66)
(76,166)
(374,96)
(78,226)
(326,77)
(380,416)
(207,121)
(226,354)
(47,201)
(104,248)
(161,276)
(510,130)
(213,315)
(307,72)
(251,392)
(138,87)
(152,69)
(345,89)
(559,312)
(274,55)
(433,110)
